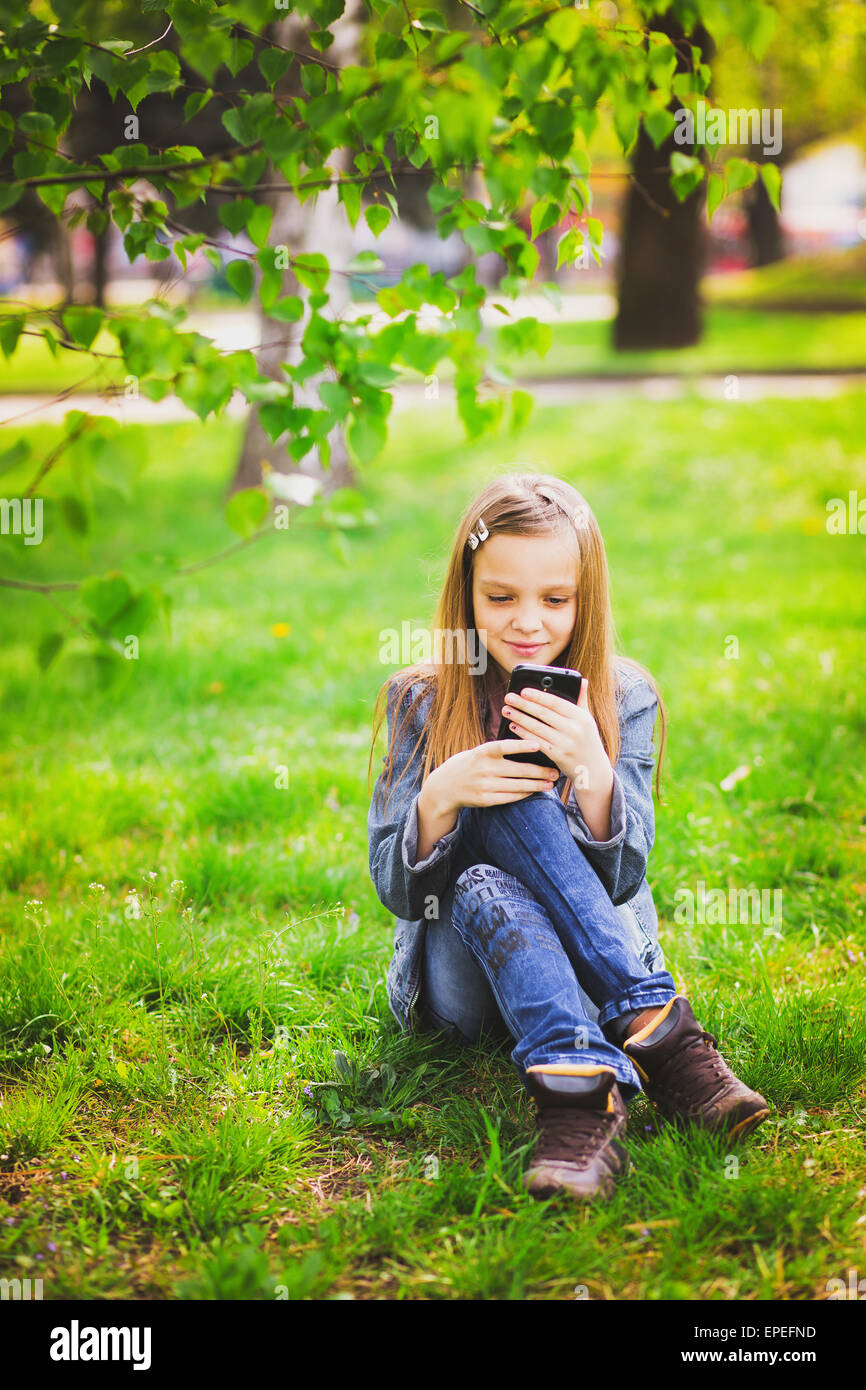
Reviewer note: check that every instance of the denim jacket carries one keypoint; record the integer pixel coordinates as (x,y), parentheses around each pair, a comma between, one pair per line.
(407,887)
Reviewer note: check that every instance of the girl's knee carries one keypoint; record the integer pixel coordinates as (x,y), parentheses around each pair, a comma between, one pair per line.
(469,1028)
(483,886)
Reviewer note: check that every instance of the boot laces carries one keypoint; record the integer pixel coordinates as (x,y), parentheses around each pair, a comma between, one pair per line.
(571,1130)
(699,1065)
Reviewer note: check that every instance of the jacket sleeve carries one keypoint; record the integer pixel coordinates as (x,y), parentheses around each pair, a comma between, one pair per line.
(402,883)
(621,861)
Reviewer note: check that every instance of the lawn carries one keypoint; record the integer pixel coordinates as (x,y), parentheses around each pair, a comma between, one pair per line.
(737,337)
(204,1092)
(826,281)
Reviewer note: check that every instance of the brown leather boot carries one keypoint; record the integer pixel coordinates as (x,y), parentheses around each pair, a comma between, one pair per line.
(580,1115)
(687,1077)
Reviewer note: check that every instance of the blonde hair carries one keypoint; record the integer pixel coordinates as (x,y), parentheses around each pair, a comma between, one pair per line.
(522,505)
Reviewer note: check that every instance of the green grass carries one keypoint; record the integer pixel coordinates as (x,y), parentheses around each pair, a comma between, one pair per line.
(834,280)
(735,339)
(204,1094)
(33,369)
(738,337)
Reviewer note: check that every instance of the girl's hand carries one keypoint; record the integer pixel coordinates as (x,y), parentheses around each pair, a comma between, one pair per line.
(569,735)
(482,776)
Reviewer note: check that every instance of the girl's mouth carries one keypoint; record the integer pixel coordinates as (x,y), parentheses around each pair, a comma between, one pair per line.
(526,648)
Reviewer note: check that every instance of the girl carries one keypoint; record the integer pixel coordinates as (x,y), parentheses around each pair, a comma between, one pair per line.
(521,892)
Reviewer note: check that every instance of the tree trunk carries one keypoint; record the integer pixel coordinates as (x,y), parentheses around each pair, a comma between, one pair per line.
(766,243)
(319,224)
(63,262)
(662,251)
(100,266)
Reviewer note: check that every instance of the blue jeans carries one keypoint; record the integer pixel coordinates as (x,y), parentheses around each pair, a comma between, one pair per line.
(531,911)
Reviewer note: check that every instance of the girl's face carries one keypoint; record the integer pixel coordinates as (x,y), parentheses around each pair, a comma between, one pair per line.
(524,589)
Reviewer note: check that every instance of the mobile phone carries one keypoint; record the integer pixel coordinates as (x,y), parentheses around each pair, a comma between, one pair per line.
(558,680)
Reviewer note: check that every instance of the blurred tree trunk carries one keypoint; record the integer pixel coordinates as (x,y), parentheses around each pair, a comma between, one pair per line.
(765,230)
(62,261)
(661,258)
(319,224)
(100,260)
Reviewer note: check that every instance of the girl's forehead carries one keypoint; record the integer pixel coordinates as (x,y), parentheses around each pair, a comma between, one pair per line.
(541,559)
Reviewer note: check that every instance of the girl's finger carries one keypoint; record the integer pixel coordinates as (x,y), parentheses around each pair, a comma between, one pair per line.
(524,785)
(514,771)
(546,708)
(533,727)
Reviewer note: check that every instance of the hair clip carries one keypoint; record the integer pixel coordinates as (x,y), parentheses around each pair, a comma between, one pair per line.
(483,533)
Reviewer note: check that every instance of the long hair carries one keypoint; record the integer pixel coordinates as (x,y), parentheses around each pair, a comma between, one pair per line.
(519,505)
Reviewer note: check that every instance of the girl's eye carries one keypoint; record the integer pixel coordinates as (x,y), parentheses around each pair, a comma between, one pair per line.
(505,598)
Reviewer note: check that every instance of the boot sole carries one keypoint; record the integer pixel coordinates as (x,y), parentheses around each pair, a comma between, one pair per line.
(738,1130)
(604,1192)
(744,1127)
(599,1194)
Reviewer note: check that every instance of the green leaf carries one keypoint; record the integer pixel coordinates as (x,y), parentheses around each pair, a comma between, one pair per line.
(35,123)
(688,171)
(658,124)
(545,213)
(195,103)
(105,596)
(13,457)
(273,64)
(242,124)
(290,309)
(521,409)
(377,374)
(245,511)
(366,436)
(366,261)
(335,397)
(259,224)
(236,215)
(772,178)
(240,275)
(716,190)
(74,513)
(10,194)
(740,173)
(49,649)
(311,270)
(350,196)
(377,218)
(82,324)
(10,331)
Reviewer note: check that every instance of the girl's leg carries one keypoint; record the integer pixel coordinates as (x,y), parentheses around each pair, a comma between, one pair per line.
(455,995)
(530,839)
(512,938)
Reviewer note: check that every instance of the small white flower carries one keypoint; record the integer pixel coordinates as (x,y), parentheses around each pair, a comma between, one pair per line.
(293,487)
(729,782)
(97,887)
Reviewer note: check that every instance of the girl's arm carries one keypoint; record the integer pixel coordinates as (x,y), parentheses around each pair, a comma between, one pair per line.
(406,865)
(620,860)
(434,821)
